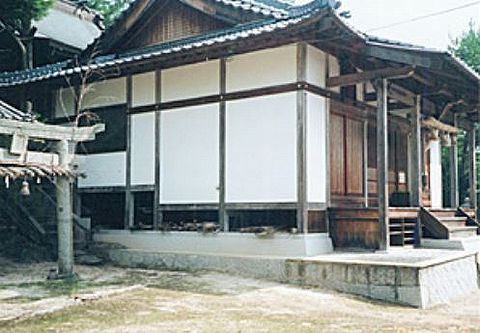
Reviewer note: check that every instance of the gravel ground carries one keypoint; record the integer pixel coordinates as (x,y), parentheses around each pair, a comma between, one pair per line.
(112,299)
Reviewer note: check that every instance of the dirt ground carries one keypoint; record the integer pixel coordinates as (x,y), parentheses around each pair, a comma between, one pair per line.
(112,299)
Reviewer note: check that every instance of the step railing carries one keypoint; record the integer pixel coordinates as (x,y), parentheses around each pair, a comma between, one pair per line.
(470,220)
(433,224)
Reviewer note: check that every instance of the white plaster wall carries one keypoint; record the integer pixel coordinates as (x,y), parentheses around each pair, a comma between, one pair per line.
(65,102)
(262,68)
(261,149)
(201,79)
(436,173)
(143,149)
(143,89)
(316,149)
(107,169)
(189,155)
(333,69)
(316,66)
(104,93)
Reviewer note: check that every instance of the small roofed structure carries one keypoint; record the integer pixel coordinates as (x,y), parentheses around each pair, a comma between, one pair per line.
(19,162)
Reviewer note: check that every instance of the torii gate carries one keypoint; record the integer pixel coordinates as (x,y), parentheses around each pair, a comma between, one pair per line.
(66,138)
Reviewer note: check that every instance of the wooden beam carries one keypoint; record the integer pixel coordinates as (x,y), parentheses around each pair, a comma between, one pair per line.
(431,122)
(448,107)
(401,94)
(382,163)
(384,73)
(302,212)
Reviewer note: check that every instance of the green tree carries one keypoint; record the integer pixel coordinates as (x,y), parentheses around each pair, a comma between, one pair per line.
(16,17)
(109,9)
(467,47)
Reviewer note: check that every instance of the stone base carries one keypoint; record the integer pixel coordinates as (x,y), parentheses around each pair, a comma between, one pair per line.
(230,243)
(422,282)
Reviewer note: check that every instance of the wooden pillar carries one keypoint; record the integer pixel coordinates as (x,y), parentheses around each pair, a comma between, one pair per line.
(157,215)
(64,215)
(472,168)
(129,199)
(222,213)
(382,163)
(416,155)
(454,196)
(302,209)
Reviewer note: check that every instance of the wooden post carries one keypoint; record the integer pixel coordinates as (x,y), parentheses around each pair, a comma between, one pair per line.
(302,209)
(157,215)
(416,155)
(222,213)
(129,199)
(454,197)
(472,168)
(64,215)
(328,147)
(382,163)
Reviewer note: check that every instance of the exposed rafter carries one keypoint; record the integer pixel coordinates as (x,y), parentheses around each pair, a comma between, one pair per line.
(384,73)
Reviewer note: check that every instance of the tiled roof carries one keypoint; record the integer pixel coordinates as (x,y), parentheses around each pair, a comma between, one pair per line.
(273,8)
(296,15)
(9,112)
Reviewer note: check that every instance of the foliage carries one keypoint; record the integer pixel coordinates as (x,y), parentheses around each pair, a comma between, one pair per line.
(18,14)
(109,9)
(16,17)
(467,47)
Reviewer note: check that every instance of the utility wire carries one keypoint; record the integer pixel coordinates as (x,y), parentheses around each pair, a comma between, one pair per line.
(425,16)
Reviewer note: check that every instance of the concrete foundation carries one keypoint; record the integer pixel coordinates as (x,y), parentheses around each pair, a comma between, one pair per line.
(419,278)
(236,244)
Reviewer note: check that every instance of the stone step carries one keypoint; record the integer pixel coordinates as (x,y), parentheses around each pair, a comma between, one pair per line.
(453,221)
(443,213)
(462,232)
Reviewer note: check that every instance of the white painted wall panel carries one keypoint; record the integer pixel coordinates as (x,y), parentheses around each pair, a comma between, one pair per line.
(143,89)
(65,102)
(106,169)
(201,79)
(333,69)
(262,68)
(261,149)
(189,155)
(316,66)
(104,93)
(143,149)
(316,149)
(436,174)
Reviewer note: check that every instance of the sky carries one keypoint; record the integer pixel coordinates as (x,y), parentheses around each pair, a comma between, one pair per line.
(436,31)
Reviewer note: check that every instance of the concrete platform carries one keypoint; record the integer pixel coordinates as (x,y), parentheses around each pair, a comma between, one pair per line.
(413,277)
(230,243)
(463,244)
